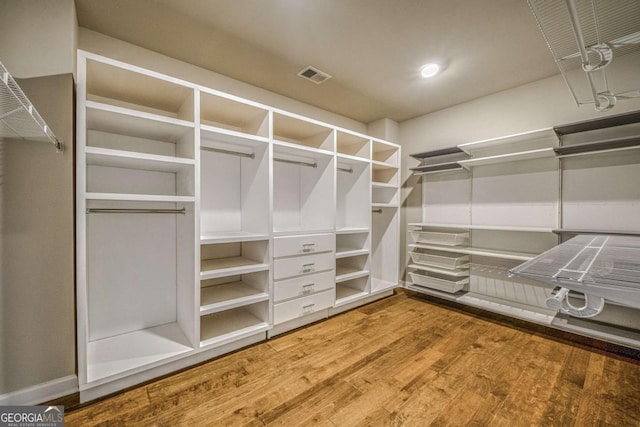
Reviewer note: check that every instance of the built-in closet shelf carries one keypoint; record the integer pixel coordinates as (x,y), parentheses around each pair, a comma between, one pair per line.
(129,160)
(134,350)
(460,271)
(223,267)
(289,148)
(512,144)
(492,253)
(350,252)
(482,227)
(384,205)
(346,294)
(231,237)
(439,238)
(18,117)
(350,159)
(352,230)
(230,325)
(357,146)
(302,132)
(125,121)
(602,232)
(436,153)
(139,197)
(383,185)
(598,147)
(298,231)
(439,225)
(227,296)
(442,259)
(510,157)
(383,165)
(227,136)
(436,168)
(601,123)
(347,273)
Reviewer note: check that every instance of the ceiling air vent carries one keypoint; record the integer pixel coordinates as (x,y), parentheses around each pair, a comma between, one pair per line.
(314,75)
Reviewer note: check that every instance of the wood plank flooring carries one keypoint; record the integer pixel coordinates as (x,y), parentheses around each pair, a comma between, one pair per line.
(398,361)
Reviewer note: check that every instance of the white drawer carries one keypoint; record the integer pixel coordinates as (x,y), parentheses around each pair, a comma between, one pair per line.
(302,306)
(302,245)
(301,286)
(296,266)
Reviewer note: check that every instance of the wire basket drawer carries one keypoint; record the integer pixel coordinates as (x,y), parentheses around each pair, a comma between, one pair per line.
(440,259)
(438,282)
(439,238)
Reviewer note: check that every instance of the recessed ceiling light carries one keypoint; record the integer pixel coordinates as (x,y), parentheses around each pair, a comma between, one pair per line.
(429,70)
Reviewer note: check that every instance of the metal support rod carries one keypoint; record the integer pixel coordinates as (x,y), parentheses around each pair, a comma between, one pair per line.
(376,211)
(347,170)
(295,162)
(136,211)
(233,153)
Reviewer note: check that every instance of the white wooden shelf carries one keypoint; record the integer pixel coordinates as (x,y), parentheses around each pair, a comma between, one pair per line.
(518,256)
(223,267)
(296,230)
(130,160)
(139,197)
(134,350)
(231,325)
(350,252)
(520,142)
(439,283)
(482,227)
(510,157)
(347,273)
(460,271)
(346,294)
(231,237)
(384,205)
(290,148)
(383,165)
(352,230)
(228,136)
(227,296)
(351,159)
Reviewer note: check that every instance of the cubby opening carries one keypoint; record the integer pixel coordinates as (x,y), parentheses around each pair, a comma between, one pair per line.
(353,195)
(226,113)
(385,246)
(353,145)
(302,132)
(385,195)
(120,87)
(226,326)
(352,290)
(234,189)
(233,291)
(303,187)
(352,267)
(352,244)
(385,175)
(385,153)
(231,259)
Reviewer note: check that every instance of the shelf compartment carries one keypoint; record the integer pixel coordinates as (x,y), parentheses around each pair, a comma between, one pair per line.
(386,195)
(615,144)
(440,259)
(230,237)
(18,117)
(438,282)
(436,153)
(352,194)
(230,114)
(349,252)
(352,267)
(230,259)
(492,253)
(439,238)
(218,297)
(344,274)
(297,130)
(134,350)
(128,160)
(353,145)
(512,144)
(352,230)
(511,157)
(351,290)
(385,153)
(461,271)
(385,174)
(139,89)
(231,325)
(355,244)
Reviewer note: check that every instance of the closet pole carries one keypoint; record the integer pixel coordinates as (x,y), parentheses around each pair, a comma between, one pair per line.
(136,211)
(295,162)
(233,153)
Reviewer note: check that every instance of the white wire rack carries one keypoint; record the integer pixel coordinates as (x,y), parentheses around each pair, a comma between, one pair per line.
(18,117)
(588,40)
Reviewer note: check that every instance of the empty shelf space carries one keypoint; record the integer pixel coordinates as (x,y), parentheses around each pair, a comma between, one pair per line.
(221,267)
(130,160)
(230,237)
(228,296)
(352,145)
(439,225)
(231,325)
(615,144)
(302,132)
(139,197)
(440,238)
(134,350)
(492,253)
(436,153)
(439,282)
(232,114)
(460,271)
(349,273)
(511,157)
(349,252)
(346,294)
(385,153)
(435,168)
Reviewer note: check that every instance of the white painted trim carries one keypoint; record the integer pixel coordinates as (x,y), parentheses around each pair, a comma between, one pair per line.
(42,392)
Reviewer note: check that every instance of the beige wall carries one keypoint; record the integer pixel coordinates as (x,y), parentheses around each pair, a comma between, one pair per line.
(92,41)
(38,37)
(536,105)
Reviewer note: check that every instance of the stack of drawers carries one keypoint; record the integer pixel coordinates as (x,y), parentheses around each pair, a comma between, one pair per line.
(304,275)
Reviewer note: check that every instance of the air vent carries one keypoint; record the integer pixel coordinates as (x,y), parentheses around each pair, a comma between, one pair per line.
(314,75)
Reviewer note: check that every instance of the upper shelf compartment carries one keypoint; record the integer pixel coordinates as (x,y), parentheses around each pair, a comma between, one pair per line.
(385,153)
(18,118)
(353,145)
(231,118)
(138,90)
(299,131)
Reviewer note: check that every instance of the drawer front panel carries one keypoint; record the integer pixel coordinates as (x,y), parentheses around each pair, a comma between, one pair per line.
(303,245)
(302,306)
(297,266)
(301,286)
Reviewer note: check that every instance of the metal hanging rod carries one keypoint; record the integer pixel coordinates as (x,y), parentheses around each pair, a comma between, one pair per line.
(376,210)
(136,211)
(347,170)
(233,153)
(295,162)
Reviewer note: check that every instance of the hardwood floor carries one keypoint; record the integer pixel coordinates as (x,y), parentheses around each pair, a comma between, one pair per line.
(399,361)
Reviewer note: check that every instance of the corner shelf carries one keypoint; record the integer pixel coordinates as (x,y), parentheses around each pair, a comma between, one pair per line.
(18,116)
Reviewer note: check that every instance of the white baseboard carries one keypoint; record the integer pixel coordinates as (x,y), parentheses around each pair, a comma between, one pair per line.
(41,392)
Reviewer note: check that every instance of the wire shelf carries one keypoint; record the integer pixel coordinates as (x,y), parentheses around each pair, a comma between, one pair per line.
(18,117)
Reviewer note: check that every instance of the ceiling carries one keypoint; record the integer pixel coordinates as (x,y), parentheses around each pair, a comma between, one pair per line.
(372,48)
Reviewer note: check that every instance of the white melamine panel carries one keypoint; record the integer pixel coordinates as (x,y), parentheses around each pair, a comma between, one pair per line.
(353,145)
(353,195)
(352,244)
(231,114)
(229,259)
(352,290)
(601,192)
(519,194)
(301,245)
(296,130)
(385,174)
(352,267)
(102,179)
(385,247)
(299,307)
(226,296)
(130,286)
(301,286)
(129,143)
(307,264)
(385,153)
(447,198)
